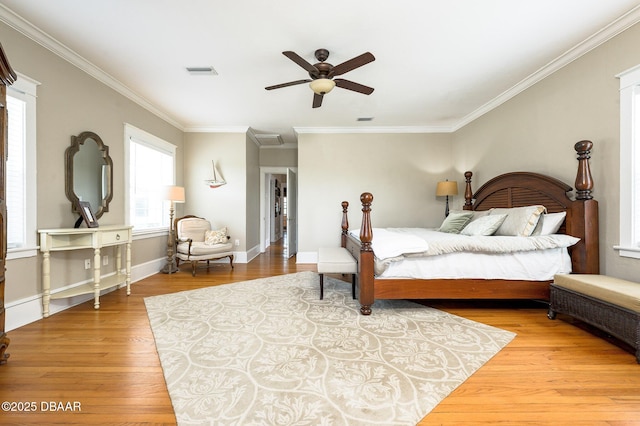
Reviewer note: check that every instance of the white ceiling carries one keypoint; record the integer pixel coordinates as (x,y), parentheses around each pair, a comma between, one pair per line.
(439,63)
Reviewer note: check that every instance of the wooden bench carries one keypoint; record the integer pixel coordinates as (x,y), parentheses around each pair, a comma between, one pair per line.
(336,260)
(610,304)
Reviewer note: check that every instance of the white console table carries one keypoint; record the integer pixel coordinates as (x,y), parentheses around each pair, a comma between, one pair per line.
(65,239)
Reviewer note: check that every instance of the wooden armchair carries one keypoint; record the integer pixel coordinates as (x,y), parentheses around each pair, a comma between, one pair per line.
(196,241)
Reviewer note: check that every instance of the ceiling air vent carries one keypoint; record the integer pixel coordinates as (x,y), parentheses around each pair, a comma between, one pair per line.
(269,139)
(202,71)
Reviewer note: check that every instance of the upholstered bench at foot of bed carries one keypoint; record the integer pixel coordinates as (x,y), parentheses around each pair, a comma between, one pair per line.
(610,304)
(336,260)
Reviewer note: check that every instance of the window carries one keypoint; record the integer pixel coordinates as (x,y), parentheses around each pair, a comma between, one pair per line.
(21,180)
(151,167)
(630,163)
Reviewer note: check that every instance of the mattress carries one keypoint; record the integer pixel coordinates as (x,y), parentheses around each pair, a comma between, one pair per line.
(538,265)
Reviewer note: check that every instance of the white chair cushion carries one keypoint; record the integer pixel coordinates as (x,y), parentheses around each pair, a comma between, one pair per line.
(199,248)
(336,260)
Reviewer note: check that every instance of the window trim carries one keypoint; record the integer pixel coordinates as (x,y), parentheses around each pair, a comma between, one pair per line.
(629,88)
(145,138)
(25,88)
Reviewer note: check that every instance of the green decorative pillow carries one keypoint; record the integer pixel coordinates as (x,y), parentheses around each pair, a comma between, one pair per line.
(484,225)
(215,237)
(455,222)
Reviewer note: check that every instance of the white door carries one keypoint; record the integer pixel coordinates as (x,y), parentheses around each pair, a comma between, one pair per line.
(292,212)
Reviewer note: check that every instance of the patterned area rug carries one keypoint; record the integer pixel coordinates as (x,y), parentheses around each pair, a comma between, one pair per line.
(269,352)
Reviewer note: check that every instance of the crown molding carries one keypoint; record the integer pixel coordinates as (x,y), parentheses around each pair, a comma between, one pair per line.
(29,30)
(376,129)
(252,136)
(605,34)
(216,129)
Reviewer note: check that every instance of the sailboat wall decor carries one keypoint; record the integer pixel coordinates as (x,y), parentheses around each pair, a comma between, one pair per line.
(217,180)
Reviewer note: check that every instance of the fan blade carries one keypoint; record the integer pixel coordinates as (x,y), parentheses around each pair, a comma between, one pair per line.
(356,87)
(317,100)
(352,64)
(291,83)
(301,61)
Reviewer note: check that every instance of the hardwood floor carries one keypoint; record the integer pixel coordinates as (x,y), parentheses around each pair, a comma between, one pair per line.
(105,363)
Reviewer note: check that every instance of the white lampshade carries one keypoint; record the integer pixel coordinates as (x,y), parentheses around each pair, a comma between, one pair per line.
(174,193)
(322,85)
(447,187)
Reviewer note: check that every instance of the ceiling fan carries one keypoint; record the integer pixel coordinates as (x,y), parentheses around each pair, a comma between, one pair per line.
(322,73)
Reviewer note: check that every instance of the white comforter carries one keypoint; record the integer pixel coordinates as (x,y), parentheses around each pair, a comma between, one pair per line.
(391,243)
(427,254)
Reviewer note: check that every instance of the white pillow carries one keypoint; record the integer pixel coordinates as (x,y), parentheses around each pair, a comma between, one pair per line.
(480,213)
(484,225)
(549,223)
(520,221)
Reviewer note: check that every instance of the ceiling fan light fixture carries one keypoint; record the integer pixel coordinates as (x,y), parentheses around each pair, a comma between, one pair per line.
(322,86)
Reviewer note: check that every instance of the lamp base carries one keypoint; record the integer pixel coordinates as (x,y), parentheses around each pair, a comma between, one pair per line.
(170,268)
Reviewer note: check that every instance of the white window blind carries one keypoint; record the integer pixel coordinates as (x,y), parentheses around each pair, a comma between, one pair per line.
(629,245)
(16,173)
(151,168)
(21,168)
(635,170)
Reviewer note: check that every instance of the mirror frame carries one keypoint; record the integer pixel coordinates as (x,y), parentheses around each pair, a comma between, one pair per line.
(76,143)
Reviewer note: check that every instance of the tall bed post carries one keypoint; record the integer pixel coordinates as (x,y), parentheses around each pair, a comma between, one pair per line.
(468,193)
(586,253)
(344,224)
(584,181)
(365,266)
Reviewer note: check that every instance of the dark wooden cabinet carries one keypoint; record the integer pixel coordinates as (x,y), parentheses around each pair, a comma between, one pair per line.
(7,77)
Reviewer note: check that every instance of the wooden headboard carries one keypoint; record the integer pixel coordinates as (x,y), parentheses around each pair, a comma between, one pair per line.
(518,189)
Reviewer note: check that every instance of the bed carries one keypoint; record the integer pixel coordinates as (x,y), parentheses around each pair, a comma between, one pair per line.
(509,190)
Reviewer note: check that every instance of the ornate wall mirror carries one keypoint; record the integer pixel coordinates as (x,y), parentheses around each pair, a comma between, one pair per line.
(89,173)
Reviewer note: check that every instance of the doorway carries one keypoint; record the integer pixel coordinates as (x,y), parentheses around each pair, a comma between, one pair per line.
(278,209)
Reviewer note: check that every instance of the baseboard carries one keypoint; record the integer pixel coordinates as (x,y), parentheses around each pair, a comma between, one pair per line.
(22,312)
(25,311)
(252,253)
(28,310)
(144,270)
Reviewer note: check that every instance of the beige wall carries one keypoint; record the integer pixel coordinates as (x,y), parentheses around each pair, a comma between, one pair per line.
(252,217)
(69,102)
(400,170)
(279,157)
(226,205)
(536,131)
